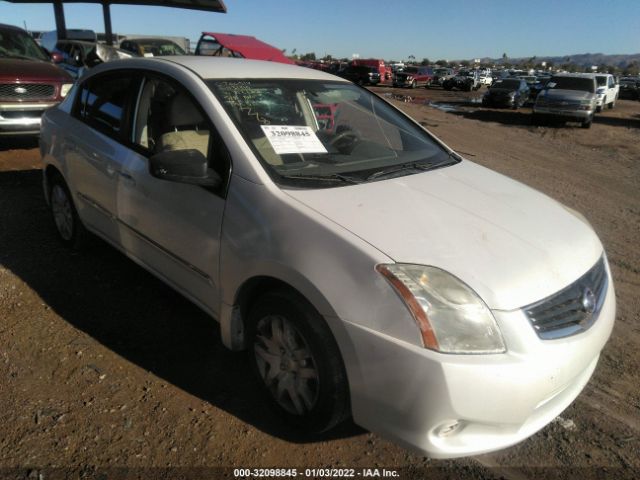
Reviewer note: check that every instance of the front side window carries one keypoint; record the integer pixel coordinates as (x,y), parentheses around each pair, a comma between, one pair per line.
(168,119)
(103,101)
(314,133)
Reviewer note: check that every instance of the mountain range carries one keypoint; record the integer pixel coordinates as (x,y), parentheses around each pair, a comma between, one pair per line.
(581,59)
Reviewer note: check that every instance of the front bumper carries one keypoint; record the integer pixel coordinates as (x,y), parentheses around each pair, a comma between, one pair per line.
(447,406)
(499,101)
(567,114)
(22,118)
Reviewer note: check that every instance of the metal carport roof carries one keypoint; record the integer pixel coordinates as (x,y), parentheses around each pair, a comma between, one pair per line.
(204,5)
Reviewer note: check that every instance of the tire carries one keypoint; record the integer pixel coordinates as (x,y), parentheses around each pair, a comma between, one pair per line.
(69,227)
(297,362)
(587,123)
(599,109)
(611,105)
(414,84)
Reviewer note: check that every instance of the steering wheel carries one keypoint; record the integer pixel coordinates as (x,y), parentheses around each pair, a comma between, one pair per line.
(345,139)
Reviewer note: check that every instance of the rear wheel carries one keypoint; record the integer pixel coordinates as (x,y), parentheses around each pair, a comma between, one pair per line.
(297,362)
(65,216)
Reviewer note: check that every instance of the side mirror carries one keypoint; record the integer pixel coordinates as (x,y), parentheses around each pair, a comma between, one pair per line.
(184,166)
(56,57)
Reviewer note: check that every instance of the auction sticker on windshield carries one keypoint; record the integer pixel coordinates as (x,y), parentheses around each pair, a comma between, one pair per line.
(293,139)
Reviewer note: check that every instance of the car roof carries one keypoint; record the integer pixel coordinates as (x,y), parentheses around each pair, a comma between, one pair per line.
(5,26)
(229,67)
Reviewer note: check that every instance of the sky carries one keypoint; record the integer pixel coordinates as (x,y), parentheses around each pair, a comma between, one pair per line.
(392,29)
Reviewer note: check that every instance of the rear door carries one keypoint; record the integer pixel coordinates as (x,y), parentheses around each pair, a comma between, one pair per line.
(92,150)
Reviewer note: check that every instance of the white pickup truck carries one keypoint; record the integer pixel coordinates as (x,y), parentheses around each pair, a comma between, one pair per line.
(607,92)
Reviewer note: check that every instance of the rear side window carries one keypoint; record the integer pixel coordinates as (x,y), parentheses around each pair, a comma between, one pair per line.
(104,102)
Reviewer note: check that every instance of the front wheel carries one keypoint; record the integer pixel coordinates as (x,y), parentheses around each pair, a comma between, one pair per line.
(587,123)
(297,362)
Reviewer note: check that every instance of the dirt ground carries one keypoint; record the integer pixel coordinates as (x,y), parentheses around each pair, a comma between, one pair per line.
(105,372)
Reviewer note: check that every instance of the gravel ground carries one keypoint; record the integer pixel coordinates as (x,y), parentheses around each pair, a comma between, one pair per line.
(107,373)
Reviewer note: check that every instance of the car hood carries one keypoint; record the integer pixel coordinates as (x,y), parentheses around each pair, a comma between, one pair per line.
(14,70)
(510,243)
(569,94)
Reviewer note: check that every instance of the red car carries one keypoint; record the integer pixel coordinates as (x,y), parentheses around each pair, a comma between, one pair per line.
(242,46)
(29,82)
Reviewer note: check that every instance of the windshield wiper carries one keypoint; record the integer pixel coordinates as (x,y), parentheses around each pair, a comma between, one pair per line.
(405,166)
(333,177)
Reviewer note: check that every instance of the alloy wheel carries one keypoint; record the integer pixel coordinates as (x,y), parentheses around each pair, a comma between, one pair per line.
(286,364)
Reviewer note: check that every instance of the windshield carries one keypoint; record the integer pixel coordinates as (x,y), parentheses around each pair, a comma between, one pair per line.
(511,84)
(17,44)
(584,84)
(602,81)
(410,70)
(313,134)
(160,47)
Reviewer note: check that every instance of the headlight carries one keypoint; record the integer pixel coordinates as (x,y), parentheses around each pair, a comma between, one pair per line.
(65,89)
(451,317)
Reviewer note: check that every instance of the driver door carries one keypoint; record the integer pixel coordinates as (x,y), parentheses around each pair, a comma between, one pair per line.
(173,228)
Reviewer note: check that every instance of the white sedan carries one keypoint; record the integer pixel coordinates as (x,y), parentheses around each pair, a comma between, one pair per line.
(367,268)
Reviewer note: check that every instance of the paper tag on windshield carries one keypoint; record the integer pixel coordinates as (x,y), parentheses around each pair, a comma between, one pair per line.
(293,139)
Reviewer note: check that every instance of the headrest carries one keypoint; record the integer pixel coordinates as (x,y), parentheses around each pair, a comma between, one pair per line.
(183,112)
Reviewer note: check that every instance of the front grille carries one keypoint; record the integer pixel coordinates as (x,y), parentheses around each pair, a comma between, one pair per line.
(573,309)
(26,91)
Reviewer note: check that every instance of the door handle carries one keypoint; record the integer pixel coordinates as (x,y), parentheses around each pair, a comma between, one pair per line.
(127,177)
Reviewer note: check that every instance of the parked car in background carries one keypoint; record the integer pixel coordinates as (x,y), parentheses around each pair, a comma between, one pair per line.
(486,79)
(536,87)
(413,77)
(29,82)
(466,80)
(361,74)
(48,40)
(510,92)
(151,47)
(607,91)
(567,97)
(76,56)
(461,330)
(630,88)
(238,46)
(440,75)
(379,65)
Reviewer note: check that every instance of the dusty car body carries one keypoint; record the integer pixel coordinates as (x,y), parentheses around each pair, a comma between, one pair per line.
(151,47)
(366,267)
(511,92)
(76,56)
(440,75)
(361,74)
(29,83)
(238,46)
(567,97)
(413,77)
(630,88)
(466,80)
